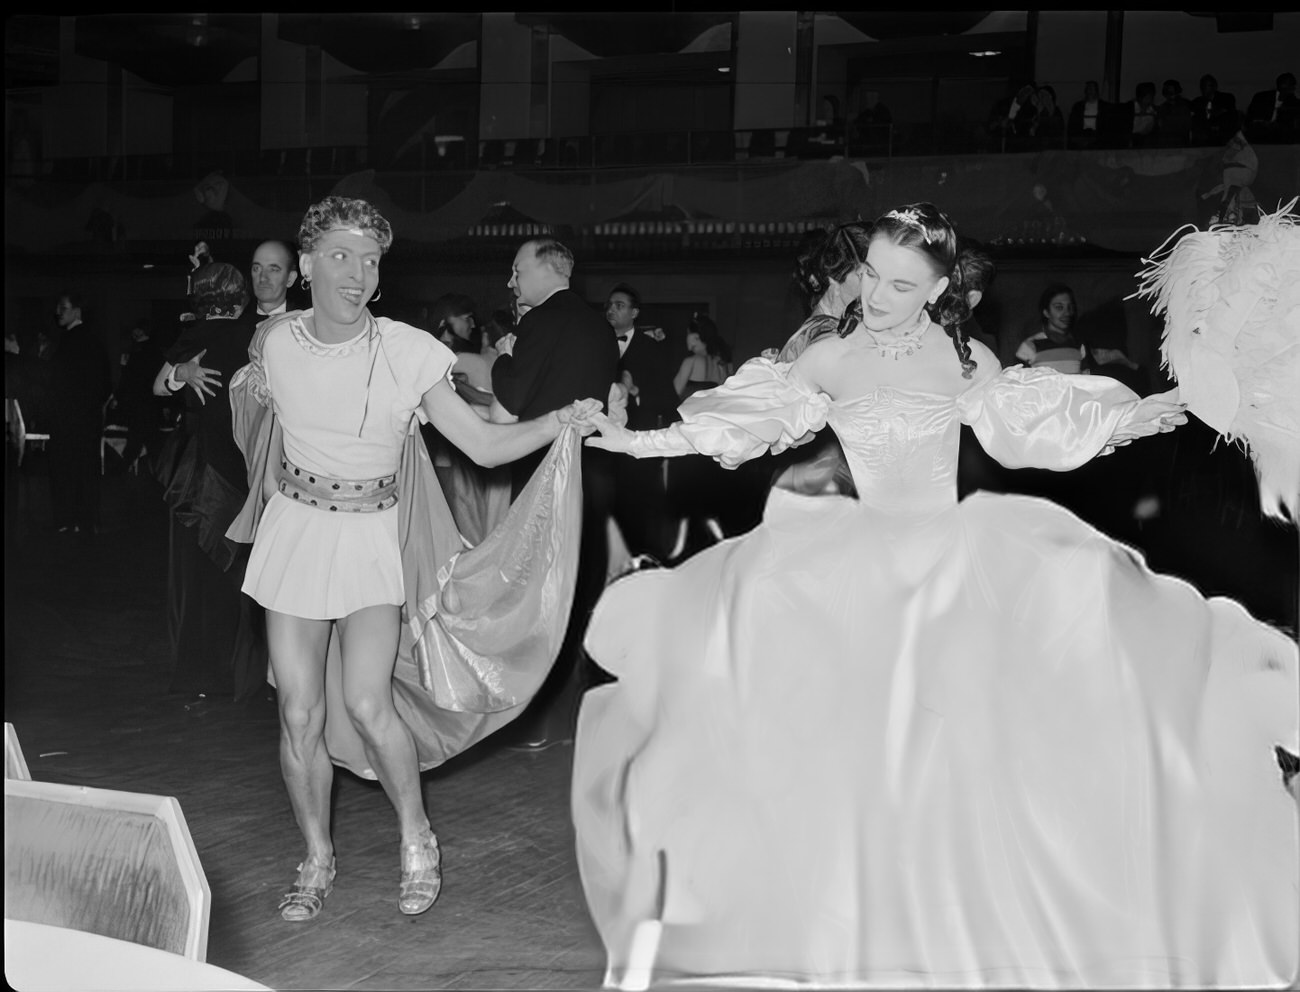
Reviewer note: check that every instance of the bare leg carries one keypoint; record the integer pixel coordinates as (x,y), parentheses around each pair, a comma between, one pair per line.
(368,639)
(297,649)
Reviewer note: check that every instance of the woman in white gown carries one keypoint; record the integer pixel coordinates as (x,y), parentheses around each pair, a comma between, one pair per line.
(903,740)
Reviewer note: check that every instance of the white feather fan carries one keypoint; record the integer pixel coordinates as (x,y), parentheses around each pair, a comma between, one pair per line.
(1231,300)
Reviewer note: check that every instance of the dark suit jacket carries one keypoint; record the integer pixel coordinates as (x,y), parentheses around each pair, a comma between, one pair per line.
(1174,119)
(651,366)
(1261,109)
(1214,119)
(564,351)
(81,377)
(225,343)
(1106,114)
(1020,125)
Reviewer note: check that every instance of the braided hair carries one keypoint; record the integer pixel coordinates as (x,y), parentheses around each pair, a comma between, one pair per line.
(923,228)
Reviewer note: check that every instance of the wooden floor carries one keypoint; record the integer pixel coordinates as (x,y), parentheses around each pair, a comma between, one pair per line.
(85,674)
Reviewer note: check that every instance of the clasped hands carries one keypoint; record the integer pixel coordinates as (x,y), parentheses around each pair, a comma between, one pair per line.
(586,418)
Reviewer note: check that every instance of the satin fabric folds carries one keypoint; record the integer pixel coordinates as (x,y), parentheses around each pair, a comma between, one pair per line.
(911,742)
(481,625)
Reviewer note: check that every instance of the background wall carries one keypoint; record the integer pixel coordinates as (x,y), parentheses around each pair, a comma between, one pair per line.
(765,65)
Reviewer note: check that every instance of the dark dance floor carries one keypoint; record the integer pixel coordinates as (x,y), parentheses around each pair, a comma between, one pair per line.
(86,671)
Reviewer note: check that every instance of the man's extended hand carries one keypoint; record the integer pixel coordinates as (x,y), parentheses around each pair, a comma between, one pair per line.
(203,381)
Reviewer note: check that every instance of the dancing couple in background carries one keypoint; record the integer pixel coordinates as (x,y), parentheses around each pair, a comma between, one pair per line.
(906,740)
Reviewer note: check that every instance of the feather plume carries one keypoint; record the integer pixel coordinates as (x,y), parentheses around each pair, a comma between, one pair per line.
(1231,301)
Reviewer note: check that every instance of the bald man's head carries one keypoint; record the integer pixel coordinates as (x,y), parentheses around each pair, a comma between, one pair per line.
(273,271)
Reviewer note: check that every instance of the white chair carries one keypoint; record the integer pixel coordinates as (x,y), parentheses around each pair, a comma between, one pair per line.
(120,864)
(16,428)
(114,436)
(15,763)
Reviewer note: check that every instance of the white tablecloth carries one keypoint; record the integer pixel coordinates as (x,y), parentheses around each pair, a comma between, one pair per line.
(40,958)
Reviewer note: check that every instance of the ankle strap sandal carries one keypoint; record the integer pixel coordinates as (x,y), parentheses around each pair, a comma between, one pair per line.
(421,874)
(307,897)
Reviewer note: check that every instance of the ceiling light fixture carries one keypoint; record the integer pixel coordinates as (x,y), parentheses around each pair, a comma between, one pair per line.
(980,55)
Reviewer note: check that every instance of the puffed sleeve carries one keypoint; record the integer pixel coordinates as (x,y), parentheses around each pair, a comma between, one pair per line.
(1041,418)
(762,408)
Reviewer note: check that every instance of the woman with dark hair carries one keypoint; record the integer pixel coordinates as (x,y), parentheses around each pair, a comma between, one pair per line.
(218,639)
(452,321)
(908,740)
(479,497)
(393,646)
(708,359)
(829,272)
(1054,345)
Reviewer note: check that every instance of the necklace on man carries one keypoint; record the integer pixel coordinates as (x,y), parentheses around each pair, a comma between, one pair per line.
(899,344)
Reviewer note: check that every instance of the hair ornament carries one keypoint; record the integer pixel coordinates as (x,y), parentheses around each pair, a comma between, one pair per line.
(911,218)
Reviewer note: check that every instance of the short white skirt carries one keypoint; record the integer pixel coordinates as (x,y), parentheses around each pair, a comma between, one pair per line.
(323,566)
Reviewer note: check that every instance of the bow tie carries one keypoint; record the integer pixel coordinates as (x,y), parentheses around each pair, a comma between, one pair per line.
(625,337)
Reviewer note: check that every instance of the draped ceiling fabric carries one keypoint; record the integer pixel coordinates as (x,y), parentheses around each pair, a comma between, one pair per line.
(1126,201)
(171,49)
(888,25)
(609,35)
(384,43)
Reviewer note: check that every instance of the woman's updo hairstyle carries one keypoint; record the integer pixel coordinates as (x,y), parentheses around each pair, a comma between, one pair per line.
(829,255)
(341,211)
(217,290)
(923,228)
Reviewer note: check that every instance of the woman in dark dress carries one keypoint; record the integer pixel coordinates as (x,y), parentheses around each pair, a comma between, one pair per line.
(709,502)
(218,635)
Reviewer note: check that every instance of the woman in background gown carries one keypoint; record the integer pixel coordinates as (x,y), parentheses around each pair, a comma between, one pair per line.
(902,740)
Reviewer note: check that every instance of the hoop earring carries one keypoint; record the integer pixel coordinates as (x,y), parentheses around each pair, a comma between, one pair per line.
(378,296)
(305,283)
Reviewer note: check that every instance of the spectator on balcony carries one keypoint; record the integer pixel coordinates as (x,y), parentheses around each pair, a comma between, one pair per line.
(1214,114)
(1089,117)
(1173,116)
(1274,115)
(1011,122)
(870,128)
(1049,122)
(1140,114)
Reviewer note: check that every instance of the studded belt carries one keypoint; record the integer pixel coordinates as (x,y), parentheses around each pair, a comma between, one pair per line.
(346,495)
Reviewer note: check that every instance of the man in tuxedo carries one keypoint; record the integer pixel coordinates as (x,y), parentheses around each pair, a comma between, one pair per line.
(561,351)
(1090,118)
(646,368)
(1274,115)
(79,370)
(1214,114)
(274,270)
(1173,116)
(1011,121)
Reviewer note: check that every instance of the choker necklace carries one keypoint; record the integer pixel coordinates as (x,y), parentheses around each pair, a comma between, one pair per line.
(896,344)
